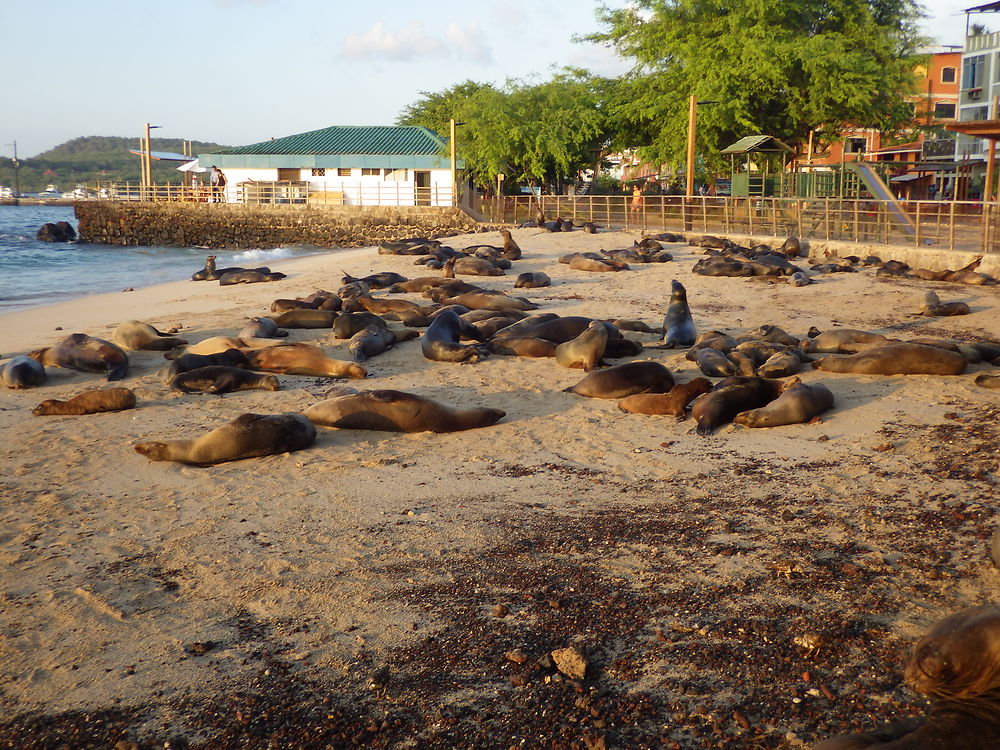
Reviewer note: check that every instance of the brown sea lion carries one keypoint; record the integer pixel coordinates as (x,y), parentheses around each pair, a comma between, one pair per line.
(580,263)
(494,301)
(89,402)
(511,250)
(523,346)
(730,397)
(381,280)
(305,318)
(840,340)
(219,344)
(219,379)
(302,359)
(419,284)
(261,328)
(79,351)
(791,247)
(780,365)
(136,335)
(471,267)
(532,280)
(897,359)
(396,411)
(348,324)
(22,372)
(769,333)
(584,351)
(673,403)
(556,329)
(624,380)
(957,666)
(986,380)
(247,436)
(797,403)
(714,363)
(186,362)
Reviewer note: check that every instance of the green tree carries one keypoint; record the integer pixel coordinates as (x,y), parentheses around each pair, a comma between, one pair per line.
(775,67)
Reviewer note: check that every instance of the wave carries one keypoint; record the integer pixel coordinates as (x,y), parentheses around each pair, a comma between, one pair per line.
(278,252)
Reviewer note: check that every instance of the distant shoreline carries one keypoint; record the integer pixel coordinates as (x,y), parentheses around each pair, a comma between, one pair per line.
(36,202)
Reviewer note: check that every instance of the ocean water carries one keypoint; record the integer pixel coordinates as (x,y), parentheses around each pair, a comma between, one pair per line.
(39,273)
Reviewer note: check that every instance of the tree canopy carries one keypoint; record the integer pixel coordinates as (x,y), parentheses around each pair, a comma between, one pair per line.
(774,67)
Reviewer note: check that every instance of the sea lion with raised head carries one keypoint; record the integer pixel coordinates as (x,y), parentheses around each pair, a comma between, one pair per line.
(730,397)
(78,351)
(441,340)
(511,250)
(247,436)
(585,351)
(396,411)
(303,359)
(897,359)
(219,379)
(678,326)
(673,403)
(136,335)
(624,380)
(22,372)
(797,403)
(89,402)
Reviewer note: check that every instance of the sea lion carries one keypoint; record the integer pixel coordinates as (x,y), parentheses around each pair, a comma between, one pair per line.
(768,333)
(22,372)
(373,340)
(957,666)
(584,351)
(187,362)
(305,318)
(471,267)
(780,365)
(556,329)
(523,346)
(136,335)
(714,363)
(205,272)
(791,247)
(440,342)
(248,276)
(988,381)
(419,284)
(730,397)
(897,359)
(492,301)
(217,345)
(532,280)
(302,359)
(840,340)
(396,411)
(933,307)
(511,250)
(88,402)
(621,347)
(381,280)
(79,351)
(247,436)
(348,324)
(261,328)
(579,262)
(219,379)
(717,266)
(624,380)
(797,403)
(678,326)
(673,403)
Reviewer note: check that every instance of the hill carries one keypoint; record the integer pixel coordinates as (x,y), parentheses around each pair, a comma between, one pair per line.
(94,159)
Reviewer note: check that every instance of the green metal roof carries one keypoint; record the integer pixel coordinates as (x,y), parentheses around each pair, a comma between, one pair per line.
(373,140)
(756,143)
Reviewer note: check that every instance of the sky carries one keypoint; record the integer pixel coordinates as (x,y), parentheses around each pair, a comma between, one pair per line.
(236,72)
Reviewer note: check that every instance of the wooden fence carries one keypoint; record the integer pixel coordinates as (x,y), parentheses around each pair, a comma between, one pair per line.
(955,225)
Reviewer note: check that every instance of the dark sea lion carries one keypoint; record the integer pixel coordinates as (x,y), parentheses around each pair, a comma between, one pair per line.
(187,362)
(532,280)
(452,288)
(136,335)
(730,397)
(678,325)
(88,402)
(511,250)
(22,372)
(440,342)
(673,403)
(780,365)
(471,267)
(303,359)
(420,284)
(616,348)
(79,351)
(934,307)
(584,351)
(373,340)
(205,272)
(247,436)
(557,329)
(797,403)
(897,359)
(219,379)
(348,324)
(799,278)
(714,363)
(791,247)
(523,346)
(624,380)
(957,666)
(491,327)
(396,411)
(381,280)
(986,380)
(248,276)
(305,318)
(721,267)
(261,328)
(769,333)
(589,227)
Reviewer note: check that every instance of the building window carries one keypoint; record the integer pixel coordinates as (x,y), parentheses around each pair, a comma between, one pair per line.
(972,71)
(856,145)
(289,174)
(395,175)
(344,172)
(369,172)
(319,172)
(944,111)
(948,75)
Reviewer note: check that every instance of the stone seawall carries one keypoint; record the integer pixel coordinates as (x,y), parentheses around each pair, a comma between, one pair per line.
(244,227)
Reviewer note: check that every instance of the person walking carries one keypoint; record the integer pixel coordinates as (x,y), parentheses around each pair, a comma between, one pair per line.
(218,185)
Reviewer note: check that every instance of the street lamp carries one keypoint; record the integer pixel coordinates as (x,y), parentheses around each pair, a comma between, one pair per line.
(692,126)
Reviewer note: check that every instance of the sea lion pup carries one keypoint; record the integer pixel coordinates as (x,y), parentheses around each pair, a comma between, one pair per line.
(791,247)
(22,372)
(381,280)
(247,436)
(303,359)
(305,318)
(584,351)
(986,380)
(134,334)
(522,346)
(187,362)
(714,363)
(582,263)
(840,340)
(624,380)
(532,280)
(673,403)
(470,267)
(248,276)
(219,379)
(397,411)
(678,326)
(897,359)
(934,307)
(79,351)
(88,402)
(373,340)
(261,328)
(511,250)
(957,666)
(797,403)
(440,342)
(730,397)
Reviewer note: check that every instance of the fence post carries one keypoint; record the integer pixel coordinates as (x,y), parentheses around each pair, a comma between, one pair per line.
(917,238)
(826,211)
(951,226)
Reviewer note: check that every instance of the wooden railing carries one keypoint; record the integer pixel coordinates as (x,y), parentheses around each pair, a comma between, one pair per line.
(954,225)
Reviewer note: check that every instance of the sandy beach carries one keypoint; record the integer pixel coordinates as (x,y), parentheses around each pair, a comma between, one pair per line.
(380,589)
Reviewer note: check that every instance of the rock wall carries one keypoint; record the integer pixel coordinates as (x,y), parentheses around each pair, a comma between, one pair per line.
(244,227)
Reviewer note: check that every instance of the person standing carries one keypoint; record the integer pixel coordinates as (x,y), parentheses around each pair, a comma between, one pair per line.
(218,185)
(637,199)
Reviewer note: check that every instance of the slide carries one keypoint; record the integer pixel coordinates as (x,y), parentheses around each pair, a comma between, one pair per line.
(882,192)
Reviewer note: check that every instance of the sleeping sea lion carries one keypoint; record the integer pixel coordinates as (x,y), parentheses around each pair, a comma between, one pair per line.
(79,351)
(305,318)
(523,346)
(673,403)
(261,328)
(88,402)
(797,403)
(219,379)
(396,411)
(247,436)
(532,280)
(187,362)
(22,372)
(248,276)
(730,397)
(136,335)
(302,359)
(624,380)
(897,359)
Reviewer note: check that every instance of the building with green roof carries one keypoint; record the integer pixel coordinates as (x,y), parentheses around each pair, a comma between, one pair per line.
(348,165)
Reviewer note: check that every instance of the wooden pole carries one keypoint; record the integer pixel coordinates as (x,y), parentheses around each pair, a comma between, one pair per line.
(149,160)
(991,155)
(692,124)
(454,163)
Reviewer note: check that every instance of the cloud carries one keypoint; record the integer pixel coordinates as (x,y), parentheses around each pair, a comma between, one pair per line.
(413,42)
